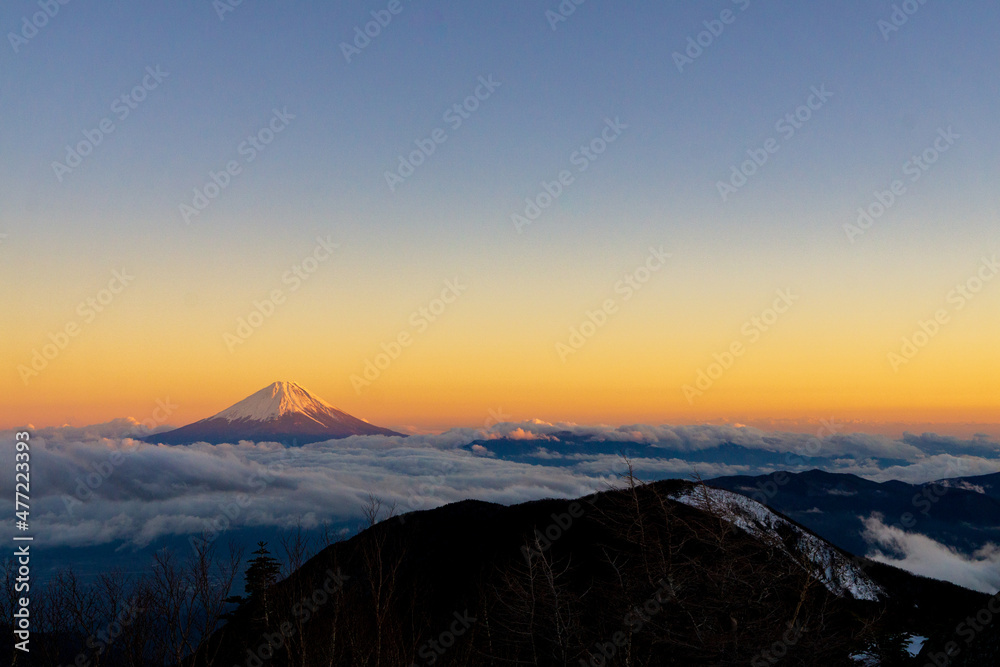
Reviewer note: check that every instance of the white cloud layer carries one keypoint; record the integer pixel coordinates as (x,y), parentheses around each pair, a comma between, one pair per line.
(922,555)
(97,485)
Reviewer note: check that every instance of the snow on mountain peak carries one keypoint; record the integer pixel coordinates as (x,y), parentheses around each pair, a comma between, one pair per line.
(280,412)
(837,572)
(276,400)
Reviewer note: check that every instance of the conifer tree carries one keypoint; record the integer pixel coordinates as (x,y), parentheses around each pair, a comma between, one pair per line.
(262,573)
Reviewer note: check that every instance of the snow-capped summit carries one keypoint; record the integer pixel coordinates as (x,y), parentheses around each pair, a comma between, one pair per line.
(275,400)
(281,412)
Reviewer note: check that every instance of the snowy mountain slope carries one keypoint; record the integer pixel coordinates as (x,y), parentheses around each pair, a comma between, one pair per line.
(960,513)
(278,399)
(838,573)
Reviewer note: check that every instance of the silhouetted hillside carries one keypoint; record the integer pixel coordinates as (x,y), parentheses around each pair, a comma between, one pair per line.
(663,574)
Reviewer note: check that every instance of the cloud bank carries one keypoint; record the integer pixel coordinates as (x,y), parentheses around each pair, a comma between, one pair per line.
(99,485)
(919,554)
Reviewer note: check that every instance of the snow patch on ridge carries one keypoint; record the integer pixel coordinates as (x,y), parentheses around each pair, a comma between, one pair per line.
(276,400)
(963,484)
(837,572)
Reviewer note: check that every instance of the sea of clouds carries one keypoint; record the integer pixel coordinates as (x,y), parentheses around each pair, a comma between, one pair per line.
(99,484)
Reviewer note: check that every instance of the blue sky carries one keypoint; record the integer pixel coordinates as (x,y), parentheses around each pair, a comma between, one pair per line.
(605,60)
(324,173)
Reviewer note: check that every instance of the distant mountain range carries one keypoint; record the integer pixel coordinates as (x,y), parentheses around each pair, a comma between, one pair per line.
(281,412)
(963,512)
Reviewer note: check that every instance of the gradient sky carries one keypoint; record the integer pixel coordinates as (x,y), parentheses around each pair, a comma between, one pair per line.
(494,350)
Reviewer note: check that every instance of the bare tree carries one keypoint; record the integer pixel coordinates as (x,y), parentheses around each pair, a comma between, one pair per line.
(189,599)
(381,570)
(375,510)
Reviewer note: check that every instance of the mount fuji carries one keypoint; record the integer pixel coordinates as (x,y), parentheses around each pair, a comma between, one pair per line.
(281,412)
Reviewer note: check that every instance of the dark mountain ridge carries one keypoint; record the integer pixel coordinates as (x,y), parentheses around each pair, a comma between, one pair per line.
(665,573)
